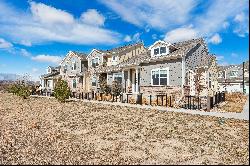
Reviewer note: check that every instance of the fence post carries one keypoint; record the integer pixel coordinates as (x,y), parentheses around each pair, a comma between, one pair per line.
(115,98)
(209,102)
(150,99)
(170,101)
(161,100)
(157,100)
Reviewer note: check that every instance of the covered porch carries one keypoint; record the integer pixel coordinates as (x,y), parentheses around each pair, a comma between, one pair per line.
(131,80)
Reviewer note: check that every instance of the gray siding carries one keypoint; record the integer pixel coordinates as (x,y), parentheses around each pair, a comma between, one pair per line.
(196,57)
(69,63)
(175,72)
(240,72)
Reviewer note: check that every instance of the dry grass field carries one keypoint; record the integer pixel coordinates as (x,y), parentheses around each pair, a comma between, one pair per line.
(43,131)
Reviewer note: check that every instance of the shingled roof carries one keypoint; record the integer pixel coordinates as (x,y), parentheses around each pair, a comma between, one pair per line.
(123,49)
(182,49)
(82,55)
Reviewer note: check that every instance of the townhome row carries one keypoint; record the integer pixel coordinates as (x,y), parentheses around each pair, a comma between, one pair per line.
(182,68)
(231,78)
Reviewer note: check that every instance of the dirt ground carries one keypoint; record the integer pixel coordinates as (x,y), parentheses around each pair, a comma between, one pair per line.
(43,131)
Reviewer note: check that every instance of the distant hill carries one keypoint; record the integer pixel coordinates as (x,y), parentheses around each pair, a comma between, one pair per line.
(9,77)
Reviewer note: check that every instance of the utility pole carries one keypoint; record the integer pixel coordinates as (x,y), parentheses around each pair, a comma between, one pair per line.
(243,78)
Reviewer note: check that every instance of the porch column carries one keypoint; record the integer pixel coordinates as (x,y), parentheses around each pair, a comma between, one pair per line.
(128,78)
(137,80)
(123,81)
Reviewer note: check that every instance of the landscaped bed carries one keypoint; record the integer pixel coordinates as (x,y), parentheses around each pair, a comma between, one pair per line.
(44,131)
(234,102)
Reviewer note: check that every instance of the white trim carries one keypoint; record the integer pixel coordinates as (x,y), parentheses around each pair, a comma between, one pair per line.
(68,54)
(118,73)
(158,69)
(93,51)
(160,41)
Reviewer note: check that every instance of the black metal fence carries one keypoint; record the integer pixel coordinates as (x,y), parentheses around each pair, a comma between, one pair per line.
(157,100)
(216,99)
(194,102)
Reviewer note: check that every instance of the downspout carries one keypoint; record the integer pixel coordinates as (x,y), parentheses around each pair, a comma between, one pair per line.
(183,69)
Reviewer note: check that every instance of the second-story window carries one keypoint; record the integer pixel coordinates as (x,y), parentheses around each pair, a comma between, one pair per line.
(65,68)
(94,81)
(156,51)
(113,58)
(73,65)
(74,83)
(95,62)
(163,50)
(234,73)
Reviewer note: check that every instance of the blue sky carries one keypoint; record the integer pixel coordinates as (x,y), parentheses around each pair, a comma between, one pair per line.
(38,33)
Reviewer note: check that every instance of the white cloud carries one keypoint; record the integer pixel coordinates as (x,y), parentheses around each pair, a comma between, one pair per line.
(127,38)
(24,52)
(50,15)
(26,43)
(181,34)
(225,25)
(4,44)
(47,58)
(154,36)
(44,23)
(136,37)
(211,21)
(242,24)
(92,17)
(215,39)
(158,14)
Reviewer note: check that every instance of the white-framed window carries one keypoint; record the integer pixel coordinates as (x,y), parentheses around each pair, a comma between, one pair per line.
(73,67)
(113,58)
(94,81)
(95,62)
(233,73)
(162,50)
(159,51)
(118,77)
(156,51)
(222,74)
(74,83)
(160,76)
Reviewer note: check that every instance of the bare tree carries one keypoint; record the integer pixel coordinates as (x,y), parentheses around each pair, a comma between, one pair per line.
(198,80)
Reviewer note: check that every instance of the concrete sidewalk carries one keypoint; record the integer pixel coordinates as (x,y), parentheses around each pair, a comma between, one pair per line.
(244,115)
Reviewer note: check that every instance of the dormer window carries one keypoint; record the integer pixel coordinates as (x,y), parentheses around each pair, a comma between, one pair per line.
(163,50)
(156,51)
